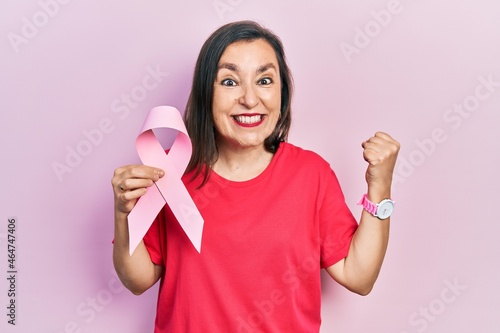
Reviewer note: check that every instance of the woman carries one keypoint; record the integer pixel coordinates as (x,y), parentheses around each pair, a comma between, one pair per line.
(274,213)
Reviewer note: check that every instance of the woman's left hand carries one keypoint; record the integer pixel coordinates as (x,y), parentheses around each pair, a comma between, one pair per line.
(381,152)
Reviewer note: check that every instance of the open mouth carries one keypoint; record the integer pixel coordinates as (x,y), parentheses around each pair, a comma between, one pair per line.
(248,120)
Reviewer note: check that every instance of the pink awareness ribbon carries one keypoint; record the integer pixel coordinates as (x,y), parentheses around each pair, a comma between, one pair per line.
(170,188)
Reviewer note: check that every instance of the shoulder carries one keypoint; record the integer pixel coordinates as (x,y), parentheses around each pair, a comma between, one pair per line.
(306,168)
(297,155)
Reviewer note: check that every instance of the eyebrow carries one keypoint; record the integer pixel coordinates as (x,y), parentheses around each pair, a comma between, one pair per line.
(230,66)
(235,68)
(265,67)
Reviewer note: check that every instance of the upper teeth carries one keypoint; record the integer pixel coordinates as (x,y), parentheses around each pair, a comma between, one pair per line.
(248,119)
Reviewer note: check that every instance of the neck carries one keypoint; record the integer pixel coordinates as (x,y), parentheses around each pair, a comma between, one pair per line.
(241,164)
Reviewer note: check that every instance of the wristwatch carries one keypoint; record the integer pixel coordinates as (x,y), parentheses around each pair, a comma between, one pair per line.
(382,210)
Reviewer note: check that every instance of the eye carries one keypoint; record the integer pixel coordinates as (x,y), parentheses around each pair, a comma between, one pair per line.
(265,81)
(228,83)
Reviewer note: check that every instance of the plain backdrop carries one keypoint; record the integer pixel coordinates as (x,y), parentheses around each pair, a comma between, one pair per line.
(78,78)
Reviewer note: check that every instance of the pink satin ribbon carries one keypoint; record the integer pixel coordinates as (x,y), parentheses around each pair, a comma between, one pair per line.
(169,189)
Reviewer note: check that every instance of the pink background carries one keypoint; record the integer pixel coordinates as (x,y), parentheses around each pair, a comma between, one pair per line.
(406,74)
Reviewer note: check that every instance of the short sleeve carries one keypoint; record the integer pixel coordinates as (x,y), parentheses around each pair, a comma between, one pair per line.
(154,238)
(337,224)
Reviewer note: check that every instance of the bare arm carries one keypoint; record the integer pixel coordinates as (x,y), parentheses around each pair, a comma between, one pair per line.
(360,269)
(137,272)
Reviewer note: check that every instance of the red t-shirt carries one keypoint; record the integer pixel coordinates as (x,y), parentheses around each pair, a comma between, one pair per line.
(264,243)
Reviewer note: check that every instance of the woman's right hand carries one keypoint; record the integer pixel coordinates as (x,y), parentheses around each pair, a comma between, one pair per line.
(137,272)
(130,182)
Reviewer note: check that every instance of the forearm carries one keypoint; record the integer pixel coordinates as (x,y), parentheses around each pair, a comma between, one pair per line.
(368,247)
(359,270)
(137,272)
(366,254)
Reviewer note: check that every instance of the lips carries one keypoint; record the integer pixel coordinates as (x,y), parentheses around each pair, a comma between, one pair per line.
(248,120)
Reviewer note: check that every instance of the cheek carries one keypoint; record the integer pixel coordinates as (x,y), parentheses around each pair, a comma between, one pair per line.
(224,98)
(216,100)
(222,123)
(273,98)
(274,105)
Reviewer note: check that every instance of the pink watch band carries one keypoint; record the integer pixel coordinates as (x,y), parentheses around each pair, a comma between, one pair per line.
(369,206)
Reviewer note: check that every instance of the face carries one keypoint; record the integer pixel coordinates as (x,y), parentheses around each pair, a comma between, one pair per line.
(247,95)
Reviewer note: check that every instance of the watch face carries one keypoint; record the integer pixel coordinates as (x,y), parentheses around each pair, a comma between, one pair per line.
(385,209)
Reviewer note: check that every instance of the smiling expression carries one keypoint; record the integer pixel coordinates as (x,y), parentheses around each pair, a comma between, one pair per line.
(247,95)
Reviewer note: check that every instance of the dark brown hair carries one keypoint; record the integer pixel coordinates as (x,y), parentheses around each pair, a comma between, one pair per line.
(199,117)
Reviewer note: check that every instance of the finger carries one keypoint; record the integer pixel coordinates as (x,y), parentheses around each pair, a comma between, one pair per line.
(131,195)
(118,174)
(370,145)
(143,172)
(131,184)
(383,135)
(126,201)
(381,142)
(378,148)
(122,169)
(375,145)
(135,172)
(139,170)
(371,156)
(378,139)
(387,138)
(381,148)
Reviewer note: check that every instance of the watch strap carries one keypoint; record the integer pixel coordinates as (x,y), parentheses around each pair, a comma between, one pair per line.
(369,206)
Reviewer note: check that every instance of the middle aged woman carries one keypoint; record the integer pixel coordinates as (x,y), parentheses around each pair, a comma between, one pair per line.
(274,213)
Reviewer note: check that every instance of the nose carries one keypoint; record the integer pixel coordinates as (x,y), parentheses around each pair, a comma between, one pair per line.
(249,97)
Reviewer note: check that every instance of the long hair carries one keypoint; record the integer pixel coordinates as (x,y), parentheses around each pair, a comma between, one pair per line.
(198,115)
